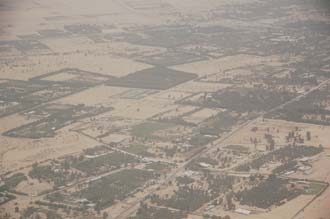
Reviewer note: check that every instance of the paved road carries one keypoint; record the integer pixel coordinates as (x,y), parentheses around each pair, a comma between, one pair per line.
(134,206)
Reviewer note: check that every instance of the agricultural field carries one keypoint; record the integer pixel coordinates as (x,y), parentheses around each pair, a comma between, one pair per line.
(164,109)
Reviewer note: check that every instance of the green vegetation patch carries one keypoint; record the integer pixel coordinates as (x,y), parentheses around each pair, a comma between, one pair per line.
(158,78)
(186,198)
(104,162)
(273,191)
(157,166)
(139,149)
(308,109)
(117,186)
(248,99)
(145,130)
(314,188)
(12,181)
(56,174)
(201,140)
(184,180)
(146,212)
(56,197)
(190,198)
(284,154)
(238,148)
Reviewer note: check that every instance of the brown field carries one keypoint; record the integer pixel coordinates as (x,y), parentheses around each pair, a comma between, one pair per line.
(24,152)
(279,129)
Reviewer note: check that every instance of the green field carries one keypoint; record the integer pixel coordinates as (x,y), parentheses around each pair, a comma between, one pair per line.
(138,149)
(315,188)
(105,162)
(145,130)
(115,187)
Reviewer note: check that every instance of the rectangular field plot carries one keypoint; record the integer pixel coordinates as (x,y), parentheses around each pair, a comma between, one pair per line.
(162,36)
(118,186)
(242,99)
(27,46)
(191,191)
(70,170)
(313,108)
(136,93)
(54,120)
(157,78)
(200,115)
(146,129)
(53,33)
(146,211)
(103,163)
(171,58)
(72,76)
(83,29)
(276,191)
(283,156)
(16,96)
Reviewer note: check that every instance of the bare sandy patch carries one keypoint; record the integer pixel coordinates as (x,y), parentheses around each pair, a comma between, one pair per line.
(100,95)
(32,66)
(201,115)
(33,187)
(24,152)
(179,111)
(279,129)
(137,109)
(196,87)
(212,66)
(319,208)
(169,95)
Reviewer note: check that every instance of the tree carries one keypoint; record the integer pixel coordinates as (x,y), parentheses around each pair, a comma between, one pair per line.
(5,216)
(105,215)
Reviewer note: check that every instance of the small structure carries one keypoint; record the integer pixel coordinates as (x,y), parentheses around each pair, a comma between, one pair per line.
(204,165)
(243,211)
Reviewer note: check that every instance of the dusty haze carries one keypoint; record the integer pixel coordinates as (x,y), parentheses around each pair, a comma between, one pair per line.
(164,109)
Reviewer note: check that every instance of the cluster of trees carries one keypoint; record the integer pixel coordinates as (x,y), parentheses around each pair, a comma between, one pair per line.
(267,193)
(248,99)
(149,212)
(283,155)
(187,198)
(309,109)
(56,174)
(12,181)
(104,163)
(206,216)
(117,186)
(219,123)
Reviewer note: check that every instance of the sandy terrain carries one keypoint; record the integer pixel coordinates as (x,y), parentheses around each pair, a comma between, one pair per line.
(280,129)
(100,95)
(193,86)
(23,152)
(126,40)
(204,68)
(177,112)
(286,211)
(319,208)
(32,66)
(32,187)
(137,109)
(201,115)
(170,95)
